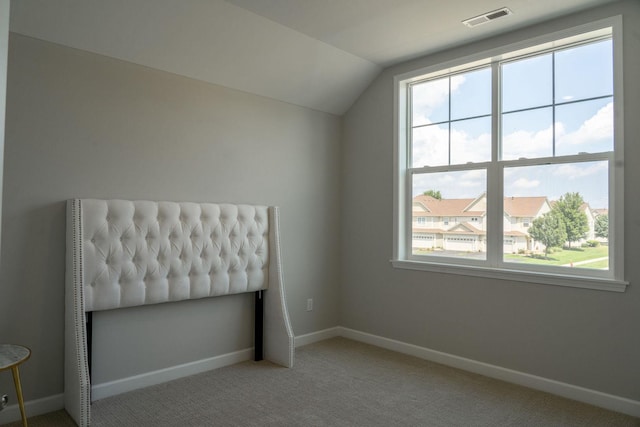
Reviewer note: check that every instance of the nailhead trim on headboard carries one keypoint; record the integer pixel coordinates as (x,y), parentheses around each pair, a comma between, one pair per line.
(77,385)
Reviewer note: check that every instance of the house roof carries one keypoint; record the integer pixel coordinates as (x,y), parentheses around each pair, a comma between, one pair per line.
(524,206)
(513,206)
(464,228)
(446,207)
(515,233)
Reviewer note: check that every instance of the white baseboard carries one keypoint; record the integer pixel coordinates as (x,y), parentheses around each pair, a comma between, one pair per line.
(32,407)
(317,336)
(581,394)
(100,391)
(112,388)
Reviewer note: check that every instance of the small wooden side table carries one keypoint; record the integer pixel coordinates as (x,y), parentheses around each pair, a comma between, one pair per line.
(11,356)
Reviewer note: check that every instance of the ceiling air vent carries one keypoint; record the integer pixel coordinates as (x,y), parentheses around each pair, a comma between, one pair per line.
(486,17)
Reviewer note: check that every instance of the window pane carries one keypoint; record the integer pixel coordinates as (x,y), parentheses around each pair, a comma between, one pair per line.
(430,146)
(527,83)
(430,102)
(584,127)
(584,72)
(471,94)
(550,215)
(471,140)
(449,214)
(527,134)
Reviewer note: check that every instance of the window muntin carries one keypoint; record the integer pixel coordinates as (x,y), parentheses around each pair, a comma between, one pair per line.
(555,118)
(446,128)
(554,104)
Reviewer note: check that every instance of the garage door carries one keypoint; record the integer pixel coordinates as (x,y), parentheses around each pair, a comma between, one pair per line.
(423,240)
(509,245)
(459,243)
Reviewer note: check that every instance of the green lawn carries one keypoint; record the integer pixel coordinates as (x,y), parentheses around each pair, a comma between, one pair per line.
(567,256)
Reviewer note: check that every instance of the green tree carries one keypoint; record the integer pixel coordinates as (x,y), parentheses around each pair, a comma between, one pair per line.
(550,230)
(575,220)
(601,226)
(433,193)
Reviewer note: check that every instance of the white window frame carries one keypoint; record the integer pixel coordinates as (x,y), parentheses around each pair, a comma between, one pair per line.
(611,280)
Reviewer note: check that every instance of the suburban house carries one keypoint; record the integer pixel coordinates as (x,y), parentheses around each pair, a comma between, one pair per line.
(295,104)
(460,224)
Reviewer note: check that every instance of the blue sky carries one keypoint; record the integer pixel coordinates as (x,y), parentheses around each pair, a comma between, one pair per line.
(581,126)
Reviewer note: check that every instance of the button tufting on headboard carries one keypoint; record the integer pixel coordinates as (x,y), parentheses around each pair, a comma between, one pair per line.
(140,242)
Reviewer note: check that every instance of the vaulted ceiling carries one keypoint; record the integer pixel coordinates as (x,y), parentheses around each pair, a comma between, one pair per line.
(319,54)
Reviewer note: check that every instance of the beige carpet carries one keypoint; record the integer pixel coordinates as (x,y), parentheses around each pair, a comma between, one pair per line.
(339,382)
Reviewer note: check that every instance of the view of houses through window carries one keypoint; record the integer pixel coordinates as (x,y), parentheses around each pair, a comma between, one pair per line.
(537,152)
(527,236)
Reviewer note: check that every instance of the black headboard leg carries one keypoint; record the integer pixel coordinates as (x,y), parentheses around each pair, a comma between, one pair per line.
(89,326)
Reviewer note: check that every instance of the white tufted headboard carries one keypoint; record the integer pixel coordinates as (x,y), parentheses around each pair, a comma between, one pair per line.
(128,253)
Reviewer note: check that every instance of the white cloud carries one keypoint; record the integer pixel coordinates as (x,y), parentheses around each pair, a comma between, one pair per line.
(446,179)
(429,96)
(466,148)
(523,143)
(467,183)
(473,179)
(475,174)
(525,183)
(577,170)
(452,185)
(430,146)
(597,128)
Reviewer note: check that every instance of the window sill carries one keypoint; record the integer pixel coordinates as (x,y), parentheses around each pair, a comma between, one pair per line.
(515,275)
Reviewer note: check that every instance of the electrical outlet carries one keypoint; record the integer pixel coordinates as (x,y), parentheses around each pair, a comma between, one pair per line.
(310,304)
(3,401)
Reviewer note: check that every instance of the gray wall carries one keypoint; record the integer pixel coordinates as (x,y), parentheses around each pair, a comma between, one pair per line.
(578,336)
(82,125)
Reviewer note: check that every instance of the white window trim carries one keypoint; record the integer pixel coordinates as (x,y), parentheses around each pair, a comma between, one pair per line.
(401,188)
